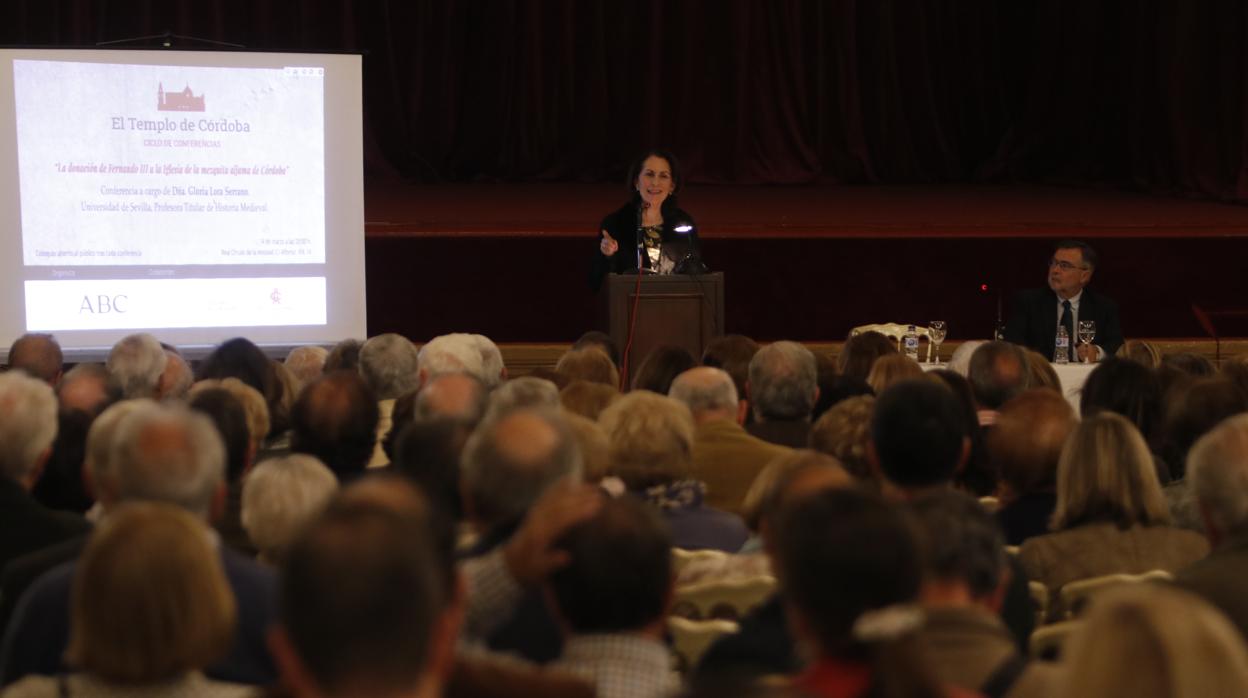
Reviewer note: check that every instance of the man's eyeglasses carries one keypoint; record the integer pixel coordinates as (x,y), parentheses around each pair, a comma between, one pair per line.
(1063,265)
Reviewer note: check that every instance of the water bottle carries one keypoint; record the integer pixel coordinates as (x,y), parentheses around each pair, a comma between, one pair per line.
(912,343)
(1061,346)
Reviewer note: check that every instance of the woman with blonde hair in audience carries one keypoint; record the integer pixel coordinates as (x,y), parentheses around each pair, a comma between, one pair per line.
(589,364)
(650,447)
(587,399)
(150,608)
(890,369)
(1040,373)
(1140,352)
(1111,515)
(843,432)
(1155,642)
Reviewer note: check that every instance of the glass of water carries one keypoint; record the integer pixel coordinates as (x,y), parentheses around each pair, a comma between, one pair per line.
(1087,333)
(936,333)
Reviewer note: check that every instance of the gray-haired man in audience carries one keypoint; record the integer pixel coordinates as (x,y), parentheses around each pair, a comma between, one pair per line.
(390,367)
(783,388)
(1217,467)
(163,454)
(137,362)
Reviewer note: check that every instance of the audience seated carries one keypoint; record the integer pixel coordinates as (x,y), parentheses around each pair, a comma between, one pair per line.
(335,420)
(82,394)
(587,399)
(1140,352)
(782,390)
(1218,476)
(725,456)
(960,360)
(1190,414)
(176,379)
(590,364)
(997,372)
(428,453)
(525,391)
(843,432)
(344,356)
(493,371)
(859,353)
(390,368)
(977,476)
(592,441)
(890,369)
(1024,447)
(1154,642)
(280,496)
(230,418)
(764,645)
(39,355)
(240,358)
(136,363)
(964,568)
(660,368)
(732,353)
(613,597)
(452,353)
(1040,372)
(306,363)
(457,396)
(149,609)
(365,610)
(1110,516)
(850,566)
(651,450)
(1132,390)
(508,463)
(162,454)
(27,431)
(600,340)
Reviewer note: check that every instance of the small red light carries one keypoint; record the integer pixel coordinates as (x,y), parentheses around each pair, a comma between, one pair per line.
(983,287)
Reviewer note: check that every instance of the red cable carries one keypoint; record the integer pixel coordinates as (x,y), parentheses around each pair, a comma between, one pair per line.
(632,327)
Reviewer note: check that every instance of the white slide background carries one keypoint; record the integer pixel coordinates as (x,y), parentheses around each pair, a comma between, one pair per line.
(200,196)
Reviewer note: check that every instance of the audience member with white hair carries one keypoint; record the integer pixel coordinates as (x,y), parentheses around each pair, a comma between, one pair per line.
(493,371)
(390,367)
(783,386)
(725,456)
(525,391)
(171,455)
(1217,470)
(306,362)
(137,363)
(280,495)
(176,378)
(451,353)
(27,429)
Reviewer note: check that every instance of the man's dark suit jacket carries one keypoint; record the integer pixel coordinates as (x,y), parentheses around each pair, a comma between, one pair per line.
(36,639)
(27,526)
(1033,320)
(1219,578)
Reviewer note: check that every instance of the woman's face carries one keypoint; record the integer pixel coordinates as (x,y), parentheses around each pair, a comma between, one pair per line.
(655,181)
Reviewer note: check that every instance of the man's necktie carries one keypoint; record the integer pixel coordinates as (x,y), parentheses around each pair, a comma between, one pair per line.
(1068,321)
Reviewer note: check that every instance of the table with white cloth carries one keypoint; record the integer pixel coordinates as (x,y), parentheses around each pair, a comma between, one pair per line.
(1072,377)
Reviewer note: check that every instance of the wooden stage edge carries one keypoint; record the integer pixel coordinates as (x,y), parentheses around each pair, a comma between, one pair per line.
(523,358)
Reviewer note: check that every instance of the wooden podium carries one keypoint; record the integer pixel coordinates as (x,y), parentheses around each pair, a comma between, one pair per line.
(683,310)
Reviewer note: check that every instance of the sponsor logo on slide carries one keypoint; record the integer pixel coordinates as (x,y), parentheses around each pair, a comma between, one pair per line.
(178,101)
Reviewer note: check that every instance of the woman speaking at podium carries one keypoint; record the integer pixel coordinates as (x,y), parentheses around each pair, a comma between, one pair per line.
(649,232)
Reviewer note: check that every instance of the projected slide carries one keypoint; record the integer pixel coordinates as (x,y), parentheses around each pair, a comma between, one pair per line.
(140,165)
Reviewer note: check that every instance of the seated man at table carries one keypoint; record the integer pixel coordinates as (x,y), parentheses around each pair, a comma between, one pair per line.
(1036,314)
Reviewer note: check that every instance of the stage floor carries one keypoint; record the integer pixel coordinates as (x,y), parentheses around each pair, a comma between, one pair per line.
(394,208)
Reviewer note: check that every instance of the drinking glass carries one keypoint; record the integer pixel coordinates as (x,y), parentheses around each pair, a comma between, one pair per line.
(1087,333)
(936,333)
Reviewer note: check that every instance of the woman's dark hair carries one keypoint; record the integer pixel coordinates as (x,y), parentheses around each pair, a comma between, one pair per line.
(661,367)
(239,358)
(634,171)
(428,453)
(860,352)
(1127,388)
(978,477)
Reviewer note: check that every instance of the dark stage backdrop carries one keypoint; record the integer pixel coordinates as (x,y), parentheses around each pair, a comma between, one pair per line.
(1145,94)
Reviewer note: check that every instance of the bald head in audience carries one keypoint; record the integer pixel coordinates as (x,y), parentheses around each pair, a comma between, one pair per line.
(710,394)
(38,355)
(998,371)
(335,419)
(460,397)
(509,461)
(87,388)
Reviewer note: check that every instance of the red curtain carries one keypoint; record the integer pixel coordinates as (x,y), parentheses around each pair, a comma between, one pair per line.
(1147,94)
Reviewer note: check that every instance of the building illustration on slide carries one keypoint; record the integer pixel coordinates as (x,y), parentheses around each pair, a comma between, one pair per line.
(178,101)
